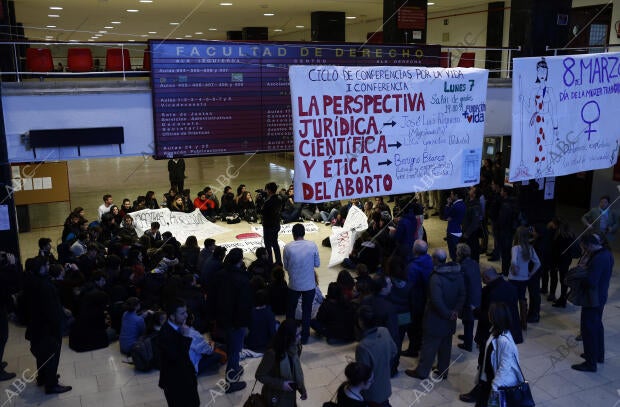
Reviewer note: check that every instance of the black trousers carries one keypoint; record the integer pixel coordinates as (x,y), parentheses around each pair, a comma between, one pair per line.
(270,236)
(533,289)
(47,353)
(4,331)
(593,334)
(182,397)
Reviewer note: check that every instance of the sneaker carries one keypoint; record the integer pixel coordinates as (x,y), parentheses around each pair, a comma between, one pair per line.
(235,386)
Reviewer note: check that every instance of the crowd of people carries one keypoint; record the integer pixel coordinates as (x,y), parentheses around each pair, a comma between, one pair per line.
(187,310)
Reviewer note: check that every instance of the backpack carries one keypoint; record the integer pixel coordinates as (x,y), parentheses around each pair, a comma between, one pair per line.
(142,354)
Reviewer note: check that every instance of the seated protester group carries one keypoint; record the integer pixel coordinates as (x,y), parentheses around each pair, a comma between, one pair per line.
(335,318)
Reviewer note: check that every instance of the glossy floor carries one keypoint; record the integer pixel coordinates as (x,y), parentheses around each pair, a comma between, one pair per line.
(102,378)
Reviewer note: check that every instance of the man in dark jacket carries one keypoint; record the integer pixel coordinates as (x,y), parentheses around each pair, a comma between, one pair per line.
(418,272)
(454,214)
(406,232)
(271,222)
(446,296)
(176,173)
(233,311)
(506,226)
(472,222)
(177,376)
(473,287)
(600,266)
(496,289)
(45,324)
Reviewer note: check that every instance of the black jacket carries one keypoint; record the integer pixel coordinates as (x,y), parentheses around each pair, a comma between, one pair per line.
(46,315)
(233,298)
(498,290)
(176,371)
(271,212)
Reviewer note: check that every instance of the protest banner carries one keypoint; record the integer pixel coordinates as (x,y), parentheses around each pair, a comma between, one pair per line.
(287,229)
(247,245)
(180,224)
(564,115)
(343,238)
(368,131)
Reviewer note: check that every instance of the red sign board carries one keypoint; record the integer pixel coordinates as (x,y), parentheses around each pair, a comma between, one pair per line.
(411,18)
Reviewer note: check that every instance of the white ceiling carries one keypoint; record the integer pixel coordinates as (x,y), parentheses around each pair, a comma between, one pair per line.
(79,20)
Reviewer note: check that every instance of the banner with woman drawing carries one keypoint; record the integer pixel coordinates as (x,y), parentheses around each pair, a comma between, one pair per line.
(565,114)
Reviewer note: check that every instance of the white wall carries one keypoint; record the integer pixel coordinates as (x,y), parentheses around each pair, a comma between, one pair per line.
(132,111)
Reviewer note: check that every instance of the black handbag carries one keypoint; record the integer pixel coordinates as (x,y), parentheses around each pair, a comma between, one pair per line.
(519,395)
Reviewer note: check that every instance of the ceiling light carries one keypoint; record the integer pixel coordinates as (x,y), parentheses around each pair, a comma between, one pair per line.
(132,40)
(146,1)
(300,26)
(55,8)
(152,32)
(50,26)
(199,33)
(188,36)
(132,10)
(91,40)
(144,35)
(49,37)
(351,17)
(226,4)
(73,40)
(277,30)
(109,27)
(115,22)
(430,4)
(212,29)
(178,38)
(269,14)
(53,15)
(103,32)
(174,23)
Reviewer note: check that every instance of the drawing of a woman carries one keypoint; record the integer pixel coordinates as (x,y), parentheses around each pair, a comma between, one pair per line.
(544,119)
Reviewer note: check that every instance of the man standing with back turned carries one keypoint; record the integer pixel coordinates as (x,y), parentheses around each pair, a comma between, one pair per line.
(300,258)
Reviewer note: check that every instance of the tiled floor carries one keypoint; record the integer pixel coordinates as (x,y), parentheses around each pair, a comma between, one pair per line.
(102,378)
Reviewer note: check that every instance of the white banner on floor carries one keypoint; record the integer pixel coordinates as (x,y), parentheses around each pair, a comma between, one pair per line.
(343,238)
(247,245)
(368,131)
(565,114)
(180,224)
(287,229)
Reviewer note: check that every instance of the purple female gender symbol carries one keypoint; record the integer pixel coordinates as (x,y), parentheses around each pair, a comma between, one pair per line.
(593,113)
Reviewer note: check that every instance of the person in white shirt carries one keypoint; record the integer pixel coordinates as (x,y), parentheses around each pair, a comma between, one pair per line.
(105,206)
(202,353)
(300,257)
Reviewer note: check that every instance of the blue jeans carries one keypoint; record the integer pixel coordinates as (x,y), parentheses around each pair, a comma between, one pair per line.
(270,237)
(307,297)
(234,344)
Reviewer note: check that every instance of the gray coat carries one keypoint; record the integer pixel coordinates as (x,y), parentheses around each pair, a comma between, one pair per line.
(446,294)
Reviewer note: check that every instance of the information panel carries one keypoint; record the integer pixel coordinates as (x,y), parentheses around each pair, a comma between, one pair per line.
(214,97)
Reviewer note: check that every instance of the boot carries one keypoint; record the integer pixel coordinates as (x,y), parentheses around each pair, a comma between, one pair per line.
(523,314)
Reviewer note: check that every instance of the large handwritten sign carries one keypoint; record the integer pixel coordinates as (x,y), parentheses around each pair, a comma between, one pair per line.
(565,115)
(366,131)
(180,224)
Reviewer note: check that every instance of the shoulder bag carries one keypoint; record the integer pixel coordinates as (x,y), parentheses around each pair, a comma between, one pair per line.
(519,395)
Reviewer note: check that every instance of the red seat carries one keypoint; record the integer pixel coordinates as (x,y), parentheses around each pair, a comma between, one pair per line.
(79,60)
(467,60)
(146,60)
(445,60)
(117,59)
(39,60)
